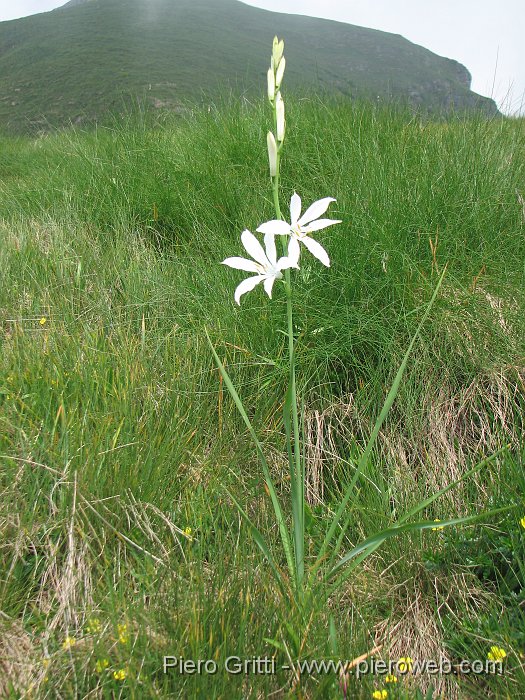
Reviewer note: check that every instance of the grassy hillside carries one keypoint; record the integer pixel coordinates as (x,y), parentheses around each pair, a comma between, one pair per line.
(79,62)
(119,446)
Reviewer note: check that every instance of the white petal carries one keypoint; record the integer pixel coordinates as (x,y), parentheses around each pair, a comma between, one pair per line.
(285,262)
(241,264)
(316,210)
(319,224)
(275,227)
(317,250)
(295,208)
(293,250)
(269,244)
(246,286)
(254,248)
(268,284)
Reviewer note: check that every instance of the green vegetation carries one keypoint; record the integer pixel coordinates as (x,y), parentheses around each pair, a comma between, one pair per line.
(83,61)
(119,443)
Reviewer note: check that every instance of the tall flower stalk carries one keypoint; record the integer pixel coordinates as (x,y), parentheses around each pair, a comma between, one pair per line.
(275,77)
(329,569)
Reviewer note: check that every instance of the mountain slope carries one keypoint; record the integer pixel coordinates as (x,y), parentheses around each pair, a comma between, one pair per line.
(82,60)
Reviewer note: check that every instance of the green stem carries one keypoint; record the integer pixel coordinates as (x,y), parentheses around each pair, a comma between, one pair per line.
(296,472)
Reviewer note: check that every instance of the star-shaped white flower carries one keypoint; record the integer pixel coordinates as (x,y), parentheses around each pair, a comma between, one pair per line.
(300,227)
(266,265)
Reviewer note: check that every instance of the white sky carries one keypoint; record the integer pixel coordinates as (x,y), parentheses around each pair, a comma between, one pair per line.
(487,36)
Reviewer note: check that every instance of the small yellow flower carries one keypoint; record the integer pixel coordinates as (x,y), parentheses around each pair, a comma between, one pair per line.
(43,321)
(496,654)
(123,635)
(187,531)
(522,522)
(391,678)
(68,643)
(380,694)
(93,626)
(439,527)
(404,665)
(46,662)
(120,675)
(101,665)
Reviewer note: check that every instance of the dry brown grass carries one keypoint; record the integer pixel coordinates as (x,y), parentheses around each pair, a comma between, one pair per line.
(455,427)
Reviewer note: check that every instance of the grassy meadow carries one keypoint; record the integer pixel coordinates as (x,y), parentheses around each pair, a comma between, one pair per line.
(120,449)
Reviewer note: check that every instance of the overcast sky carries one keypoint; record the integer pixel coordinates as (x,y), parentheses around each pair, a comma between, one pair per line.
(485,35)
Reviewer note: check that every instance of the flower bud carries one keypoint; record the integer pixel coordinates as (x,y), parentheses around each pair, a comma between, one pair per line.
(279,110)
(277,51)
(280,72)
(272,153)
(271,85)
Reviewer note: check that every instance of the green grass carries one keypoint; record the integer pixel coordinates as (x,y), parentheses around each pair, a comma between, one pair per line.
(116,433)
(78,64)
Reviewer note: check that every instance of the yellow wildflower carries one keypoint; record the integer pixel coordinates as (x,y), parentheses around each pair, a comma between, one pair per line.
(187,531)
(46,662)
(68,643)
(522,522)
(380,694)
(496,654)
(391,678)
(123,635)
(101,665)
(43,321)
(404,665)
(120,675)
(439,527)
(93,626)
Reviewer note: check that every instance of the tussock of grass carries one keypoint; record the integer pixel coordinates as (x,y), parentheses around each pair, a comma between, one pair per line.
(116,434)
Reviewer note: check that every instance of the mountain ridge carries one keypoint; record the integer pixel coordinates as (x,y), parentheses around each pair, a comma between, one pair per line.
(82,60)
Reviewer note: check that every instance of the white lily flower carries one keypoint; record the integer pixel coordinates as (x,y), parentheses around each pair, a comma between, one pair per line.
(264,263)
(272,153)
(300,227)
(281,124)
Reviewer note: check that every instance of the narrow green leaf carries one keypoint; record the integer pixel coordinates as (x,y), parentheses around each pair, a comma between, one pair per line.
(371,543)
(379,423)
(276,644)
(428,501)
(285,538)
(332,632)
(261,543)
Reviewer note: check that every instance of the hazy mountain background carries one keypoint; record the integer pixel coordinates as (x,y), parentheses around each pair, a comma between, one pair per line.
(92,57)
